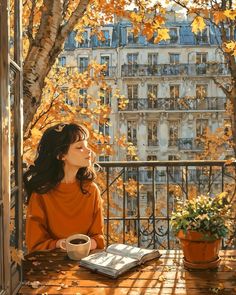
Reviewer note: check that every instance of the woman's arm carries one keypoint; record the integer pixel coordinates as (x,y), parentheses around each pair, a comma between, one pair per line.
(96,231)
(37,236)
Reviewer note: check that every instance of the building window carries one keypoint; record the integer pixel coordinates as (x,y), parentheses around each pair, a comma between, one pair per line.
(152,133)
(152,59)
(173,68)
(104,128)
(201,127)
(132,91)
(201,90)
(62,61)
(104,159)
(152,94)
(83,64)
(151,158)
(130,37)
(174,171)
(174,95)
(150,169)
(201,59)
(132,132)
(66,97)
(152,63)
(85,40)
(105,96)
(173,133)
(201,94)
(174,58)
(227,127)
(202,37)
(105,60)
(83,103)
(106,38)
(132,58)
(173,32)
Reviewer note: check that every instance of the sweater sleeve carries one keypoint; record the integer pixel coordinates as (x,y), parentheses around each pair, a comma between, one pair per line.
(37,235)
(96,230)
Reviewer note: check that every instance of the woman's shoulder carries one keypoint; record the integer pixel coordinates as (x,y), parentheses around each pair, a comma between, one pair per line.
(37,197)
(91,186)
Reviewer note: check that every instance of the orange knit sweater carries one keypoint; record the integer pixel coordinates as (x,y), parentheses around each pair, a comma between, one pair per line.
(62,212)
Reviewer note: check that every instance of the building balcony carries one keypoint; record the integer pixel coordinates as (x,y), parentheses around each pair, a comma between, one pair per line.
(201,69)
(176,104)
(132,224)
(154,187)
(108,72)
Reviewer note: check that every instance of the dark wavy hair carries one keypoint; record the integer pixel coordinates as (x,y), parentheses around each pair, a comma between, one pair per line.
(47,170)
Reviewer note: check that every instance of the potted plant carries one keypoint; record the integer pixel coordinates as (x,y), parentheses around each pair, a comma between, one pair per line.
(200,224)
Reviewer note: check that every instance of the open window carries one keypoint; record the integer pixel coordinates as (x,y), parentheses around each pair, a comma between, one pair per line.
(11,199)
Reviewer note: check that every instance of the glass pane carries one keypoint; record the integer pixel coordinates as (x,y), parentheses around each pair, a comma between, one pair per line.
(12,120)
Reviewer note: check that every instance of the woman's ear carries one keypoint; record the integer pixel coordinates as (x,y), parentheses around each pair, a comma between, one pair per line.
(60,157)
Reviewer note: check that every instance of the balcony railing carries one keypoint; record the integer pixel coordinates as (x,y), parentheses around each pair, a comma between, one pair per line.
(205,69)
(174,104)
(140,196)
(108,72)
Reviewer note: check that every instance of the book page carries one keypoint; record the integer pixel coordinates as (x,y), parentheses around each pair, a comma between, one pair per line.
(108,263)
(131,251)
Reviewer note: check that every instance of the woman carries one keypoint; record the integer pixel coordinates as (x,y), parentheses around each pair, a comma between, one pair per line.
(62,197)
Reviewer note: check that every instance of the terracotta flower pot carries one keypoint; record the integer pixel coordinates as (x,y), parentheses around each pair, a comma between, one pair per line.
(200,251)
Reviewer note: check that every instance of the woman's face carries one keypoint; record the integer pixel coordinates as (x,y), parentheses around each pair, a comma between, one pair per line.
(78,155)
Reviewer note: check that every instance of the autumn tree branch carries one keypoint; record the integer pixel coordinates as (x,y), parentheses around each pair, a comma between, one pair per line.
(29,31)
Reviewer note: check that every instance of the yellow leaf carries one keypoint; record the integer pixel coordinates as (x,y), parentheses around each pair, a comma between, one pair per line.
(198,24)
(231,47)
(162,34)
(17,255)
(231,14)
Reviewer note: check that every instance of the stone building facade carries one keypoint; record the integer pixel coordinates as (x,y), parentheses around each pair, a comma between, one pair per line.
(172,98)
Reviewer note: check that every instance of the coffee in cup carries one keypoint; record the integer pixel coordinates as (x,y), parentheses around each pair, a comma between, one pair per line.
(77,246)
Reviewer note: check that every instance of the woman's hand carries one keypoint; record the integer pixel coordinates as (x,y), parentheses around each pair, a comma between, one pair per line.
(93,244)
(61,243)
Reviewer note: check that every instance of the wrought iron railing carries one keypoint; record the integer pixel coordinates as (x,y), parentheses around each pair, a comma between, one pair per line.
(140,196)
(108,72)
(175,104)
(209,69)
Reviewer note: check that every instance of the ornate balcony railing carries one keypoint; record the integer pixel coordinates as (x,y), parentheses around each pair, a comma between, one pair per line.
(140,196)
(108,72)
(174,104)
(209,69)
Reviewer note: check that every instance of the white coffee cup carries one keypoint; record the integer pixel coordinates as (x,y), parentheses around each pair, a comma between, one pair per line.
(74,249)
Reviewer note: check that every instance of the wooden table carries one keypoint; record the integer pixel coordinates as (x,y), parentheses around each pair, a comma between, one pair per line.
(59,275)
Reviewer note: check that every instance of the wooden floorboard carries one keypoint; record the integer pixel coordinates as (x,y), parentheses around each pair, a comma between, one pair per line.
(59,275)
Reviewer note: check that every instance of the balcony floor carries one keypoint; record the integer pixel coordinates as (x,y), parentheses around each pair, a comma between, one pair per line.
(164,276)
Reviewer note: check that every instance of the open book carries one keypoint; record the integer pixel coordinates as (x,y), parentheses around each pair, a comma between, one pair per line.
(117,259)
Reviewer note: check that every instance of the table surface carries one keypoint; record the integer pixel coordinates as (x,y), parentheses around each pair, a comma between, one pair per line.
(54,273)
